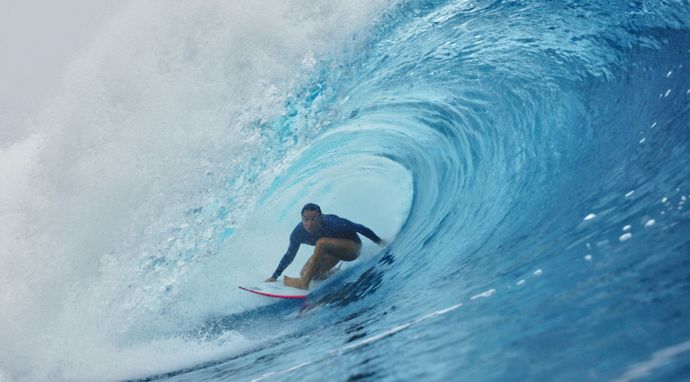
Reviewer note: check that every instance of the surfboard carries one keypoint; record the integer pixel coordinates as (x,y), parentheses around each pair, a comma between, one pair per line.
(277,290)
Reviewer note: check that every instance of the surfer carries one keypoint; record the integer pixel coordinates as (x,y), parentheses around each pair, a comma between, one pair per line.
(334,239)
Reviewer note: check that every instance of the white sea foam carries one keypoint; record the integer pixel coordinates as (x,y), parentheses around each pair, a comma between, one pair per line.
(658,360)
(484,294)
(108,205)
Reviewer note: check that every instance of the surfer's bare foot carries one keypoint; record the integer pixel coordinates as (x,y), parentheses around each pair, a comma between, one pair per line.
(295,282)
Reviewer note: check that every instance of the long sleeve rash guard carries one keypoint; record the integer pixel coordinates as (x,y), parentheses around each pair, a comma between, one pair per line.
(332,226)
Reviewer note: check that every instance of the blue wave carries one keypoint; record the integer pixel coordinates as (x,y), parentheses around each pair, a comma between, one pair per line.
(544,149)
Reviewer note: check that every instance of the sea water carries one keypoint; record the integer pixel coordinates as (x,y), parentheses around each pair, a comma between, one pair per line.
(527,161)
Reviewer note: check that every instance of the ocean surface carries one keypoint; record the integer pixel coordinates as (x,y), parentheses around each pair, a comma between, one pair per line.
(528,163)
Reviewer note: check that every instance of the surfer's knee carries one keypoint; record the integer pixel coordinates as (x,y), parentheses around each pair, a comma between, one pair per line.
(322,244)
(342,249)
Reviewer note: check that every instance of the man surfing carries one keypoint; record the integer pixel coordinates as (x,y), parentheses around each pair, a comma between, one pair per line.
(334,239)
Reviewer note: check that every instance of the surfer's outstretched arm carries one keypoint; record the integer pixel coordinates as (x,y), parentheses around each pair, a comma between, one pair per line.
(287,258)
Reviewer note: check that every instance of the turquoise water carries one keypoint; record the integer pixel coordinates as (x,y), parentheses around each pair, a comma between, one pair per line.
(527,161)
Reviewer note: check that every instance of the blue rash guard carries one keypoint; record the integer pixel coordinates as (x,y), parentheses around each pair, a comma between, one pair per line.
(332,226)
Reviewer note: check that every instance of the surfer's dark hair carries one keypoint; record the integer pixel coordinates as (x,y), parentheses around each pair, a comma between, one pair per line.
(311,207)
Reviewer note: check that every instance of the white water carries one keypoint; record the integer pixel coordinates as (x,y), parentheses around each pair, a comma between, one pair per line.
(101,257)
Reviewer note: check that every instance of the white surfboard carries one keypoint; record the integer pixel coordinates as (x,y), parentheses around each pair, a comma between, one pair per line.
(277,289)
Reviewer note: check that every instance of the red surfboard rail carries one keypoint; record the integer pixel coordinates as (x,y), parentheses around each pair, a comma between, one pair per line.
(275,295)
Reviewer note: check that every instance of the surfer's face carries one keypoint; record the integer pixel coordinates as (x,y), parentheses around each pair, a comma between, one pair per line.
(311,220)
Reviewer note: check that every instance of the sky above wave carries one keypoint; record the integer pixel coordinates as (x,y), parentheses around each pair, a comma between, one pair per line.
(39,40)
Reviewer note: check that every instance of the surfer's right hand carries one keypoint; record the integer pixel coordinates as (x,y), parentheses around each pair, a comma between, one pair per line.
(270,279)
